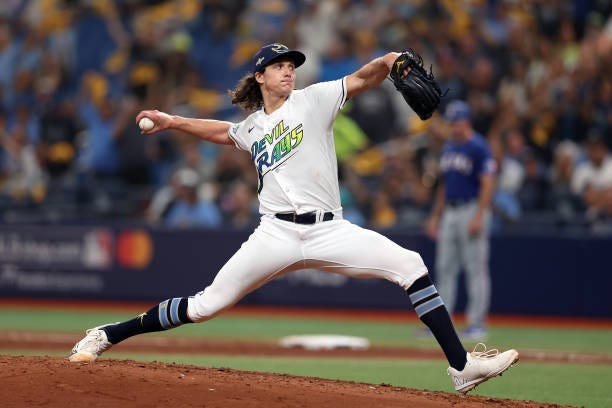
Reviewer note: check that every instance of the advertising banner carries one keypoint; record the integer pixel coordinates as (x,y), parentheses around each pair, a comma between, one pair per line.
(541,275)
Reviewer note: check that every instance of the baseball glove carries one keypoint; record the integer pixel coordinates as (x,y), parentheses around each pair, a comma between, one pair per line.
(419,88)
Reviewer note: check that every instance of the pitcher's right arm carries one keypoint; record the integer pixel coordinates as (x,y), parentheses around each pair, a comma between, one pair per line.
(210,130)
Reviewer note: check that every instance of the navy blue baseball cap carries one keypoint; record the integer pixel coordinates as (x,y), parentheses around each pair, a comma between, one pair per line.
(457,110)
(268,53)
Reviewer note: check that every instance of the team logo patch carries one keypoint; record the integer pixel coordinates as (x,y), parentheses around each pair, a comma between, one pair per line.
(279,48)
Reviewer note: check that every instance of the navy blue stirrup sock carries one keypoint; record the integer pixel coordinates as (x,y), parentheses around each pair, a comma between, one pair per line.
(430,308)
(166,315)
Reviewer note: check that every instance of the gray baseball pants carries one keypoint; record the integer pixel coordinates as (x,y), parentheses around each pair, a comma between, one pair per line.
(456,250)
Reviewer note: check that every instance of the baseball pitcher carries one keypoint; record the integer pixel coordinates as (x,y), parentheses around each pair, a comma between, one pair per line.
(289,137)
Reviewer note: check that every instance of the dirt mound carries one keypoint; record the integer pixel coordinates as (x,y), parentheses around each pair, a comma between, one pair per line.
(55,382)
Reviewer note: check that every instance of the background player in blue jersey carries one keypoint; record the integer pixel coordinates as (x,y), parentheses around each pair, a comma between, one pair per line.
(460,218)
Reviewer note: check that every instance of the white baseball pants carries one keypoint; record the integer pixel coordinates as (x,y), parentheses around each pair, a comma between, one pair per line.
(277,247)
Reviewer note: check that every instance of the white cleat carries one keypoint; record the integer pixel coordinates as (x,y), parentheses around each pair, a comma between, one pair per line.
(91,346)
(481,365)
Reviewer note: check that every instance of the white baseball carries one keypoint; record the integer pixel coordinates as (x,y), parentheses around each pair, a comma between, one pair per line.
(146,123)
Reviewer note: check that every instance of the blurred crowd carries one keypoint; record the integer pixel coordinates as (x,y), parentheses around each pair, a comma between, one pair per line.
(74,73)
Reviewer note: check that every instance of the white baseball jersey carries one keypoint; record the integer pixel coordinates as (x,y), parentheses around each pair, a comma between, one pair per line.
(294,153)
(293,150)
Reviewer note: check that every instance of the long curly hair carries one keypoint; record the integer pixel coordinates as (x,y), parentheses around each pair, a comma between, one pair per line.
(247,93)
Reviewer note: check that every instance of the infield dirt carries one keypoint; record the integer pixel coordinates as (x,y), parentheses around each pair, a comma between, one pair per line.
(55,382)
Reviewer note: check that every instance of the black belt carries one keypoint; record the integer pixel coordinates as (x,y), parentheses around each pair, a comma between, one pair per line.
(458,203)
(307,218)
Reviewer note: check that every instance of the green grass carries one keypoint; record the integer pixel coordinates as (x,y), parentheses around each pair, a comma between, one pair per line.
(570,384)
(271,329)
(575,384)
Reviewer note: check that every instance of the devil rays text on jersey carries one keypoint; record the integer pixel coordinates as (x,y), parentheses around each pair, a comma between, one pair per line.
(276,146)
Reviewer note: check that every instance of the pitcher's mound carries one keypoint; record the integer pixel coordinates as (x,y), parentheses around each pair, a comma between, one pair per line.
(55,382)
